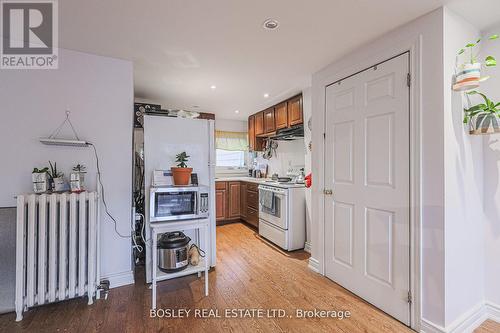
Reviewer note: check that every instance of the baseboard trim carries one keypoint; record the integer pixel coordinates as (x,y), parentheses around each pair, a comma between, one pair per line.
(313,265)
(492,311)
(119,279)
(468,322)
(307,247)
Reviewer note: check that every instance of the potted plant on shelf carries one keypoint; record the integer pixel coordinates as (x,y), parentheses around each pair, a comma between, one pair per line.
(181,173)
(483,118)
(57,178)
(39,178)
(77,178)
(468,74)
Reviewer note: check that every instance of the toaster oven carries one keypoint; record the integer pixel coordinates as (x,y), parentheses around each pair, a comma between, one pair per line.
(172,203)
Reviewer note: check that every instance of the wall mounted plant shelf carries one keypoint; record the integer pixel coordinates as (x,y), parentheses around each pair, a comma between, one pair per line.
(481,114)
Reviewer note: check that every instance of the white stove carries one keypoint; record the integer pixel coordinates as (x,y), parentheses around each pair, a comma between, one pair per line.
(283,184)
(282,214)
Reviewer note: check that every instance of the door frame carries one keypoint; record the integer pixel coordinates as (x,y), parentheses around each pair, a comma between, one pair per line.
(414,48)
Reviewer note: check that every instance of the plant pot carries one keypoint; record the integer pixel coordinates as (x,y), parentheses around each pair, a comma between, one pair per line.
(77,181)
(59,184)
(485,124)
(181,176)
(39,182)
(468,77)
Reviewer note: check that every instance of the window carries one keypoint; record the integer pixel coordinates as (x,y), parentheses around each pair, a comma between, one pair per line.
(231,148)
(228,158)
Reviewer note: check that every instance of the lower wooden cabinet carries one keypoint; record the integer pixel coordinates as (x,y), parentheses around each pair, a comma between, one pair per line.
(234,199)
(237,201)
(243,202)
(220,201)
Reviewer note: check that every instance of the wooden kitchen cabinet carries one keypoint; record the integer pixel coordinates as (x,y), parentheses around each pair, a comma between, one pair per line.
(294,109)
(264,124)
(251,133)
(281,116)
(243,200)
(259,123)
(220,205)
(269,122)
(234,201)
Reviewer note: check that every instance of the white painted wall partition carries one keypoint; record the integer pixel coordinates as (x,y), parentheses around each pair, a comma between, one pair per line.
(491,189)
(99,93)
(424,39)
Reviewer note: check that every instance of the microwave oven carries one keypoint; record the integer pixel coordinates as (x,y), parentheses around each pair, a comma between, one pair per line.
(173,203)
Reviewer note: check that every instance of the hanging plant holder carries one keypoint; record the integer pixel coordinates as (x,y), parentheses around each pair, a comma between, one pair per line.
(53,140)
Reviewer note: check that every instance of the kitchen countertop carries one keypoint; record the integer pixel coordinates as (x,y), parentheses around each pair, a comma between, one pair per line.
(242,179)
(266,181)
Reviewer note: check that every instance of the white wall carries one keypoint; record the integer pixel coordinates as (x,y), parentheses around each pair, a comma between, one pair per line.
(307,114)
(99,93)
(464,235)
(491,190)
(426,33)
(231,125)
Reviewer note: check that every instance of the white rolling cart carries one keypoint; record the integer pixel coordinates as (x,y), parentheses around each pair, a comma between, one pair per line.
(201,227)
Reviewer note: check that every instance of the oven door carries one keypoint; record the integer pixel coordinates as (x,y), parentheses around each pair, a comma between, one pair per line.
(173,205)
(279,215)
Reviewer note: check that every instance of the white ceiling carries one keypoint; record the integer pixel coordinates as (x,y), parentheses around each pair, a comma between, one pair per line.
(182,47)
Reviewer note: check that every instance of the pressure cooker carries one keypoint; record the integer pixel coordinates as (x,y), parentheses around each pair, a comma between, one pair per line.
(172,249)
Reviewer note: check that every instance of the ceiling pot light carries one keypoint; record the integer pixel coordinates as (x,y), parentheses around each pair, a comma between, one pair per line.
(270,24)
(266,95)
(213,87)
(236,111)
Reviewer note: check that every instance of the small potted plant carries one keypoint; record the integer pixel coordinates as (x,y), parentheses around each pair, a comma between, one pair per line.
(57,178)
(77,178)
(468,74)
(483,118)
(39,178)
(181,173)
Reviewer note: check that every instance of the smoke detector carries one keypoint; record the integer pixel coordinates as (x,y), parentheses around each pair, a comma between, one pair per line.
(270,24)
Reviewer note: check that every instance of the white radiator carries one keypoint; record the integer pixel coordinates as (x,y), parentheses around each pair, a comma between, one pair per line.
(56,248)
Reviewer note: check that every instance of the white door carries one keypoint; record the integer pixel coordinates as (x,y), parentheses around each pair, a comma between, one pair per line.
(367,162)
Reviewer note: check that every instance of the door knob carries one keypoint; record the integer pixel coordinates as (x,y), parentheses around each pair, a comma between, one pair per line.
(327,192)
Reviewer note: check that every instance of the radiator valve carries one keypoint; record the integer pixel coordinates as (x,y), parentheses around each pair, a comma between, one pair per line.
(104,287)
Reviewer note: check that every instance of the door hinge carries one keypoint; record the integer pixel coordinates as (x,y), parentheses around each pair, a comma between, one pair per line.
(408,80)
(410,299)
(324,135)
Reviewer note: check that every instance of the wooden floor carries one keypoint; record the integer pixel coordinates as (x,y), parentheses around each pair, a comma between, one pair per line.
(250,274)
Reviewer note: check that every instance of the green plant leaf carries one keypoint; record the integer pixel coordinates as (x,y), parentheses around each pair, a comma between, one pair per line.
(493,37)
(490,61)
(472,92)
(477,41)
(470,45)
(461,51)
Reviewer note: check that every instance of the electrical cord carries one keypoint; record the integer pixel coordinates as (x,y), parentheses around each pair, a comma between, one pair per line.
(102,195)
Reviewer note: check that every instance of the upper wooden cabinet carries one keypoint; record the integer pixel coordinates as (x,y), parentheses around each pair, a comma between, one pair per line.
(265,123)
(251,133)
(259,123)
(269,125)
(295,111)
(281,116)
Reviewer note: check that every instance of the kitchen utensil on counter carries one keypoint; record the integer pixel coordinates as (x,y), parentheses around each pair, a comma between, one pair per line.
(301,177)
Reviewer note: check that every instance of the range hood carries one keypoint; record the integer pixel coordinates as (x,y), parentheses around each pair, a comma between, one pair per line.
(289,134)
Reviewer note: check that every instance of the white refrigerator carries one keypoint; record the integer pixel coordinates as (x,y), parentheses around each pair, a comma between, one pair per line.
(165,137)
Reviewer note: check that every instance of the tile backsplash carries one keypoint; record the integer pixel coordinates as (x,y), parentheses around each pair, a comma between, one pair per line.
(289,154)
